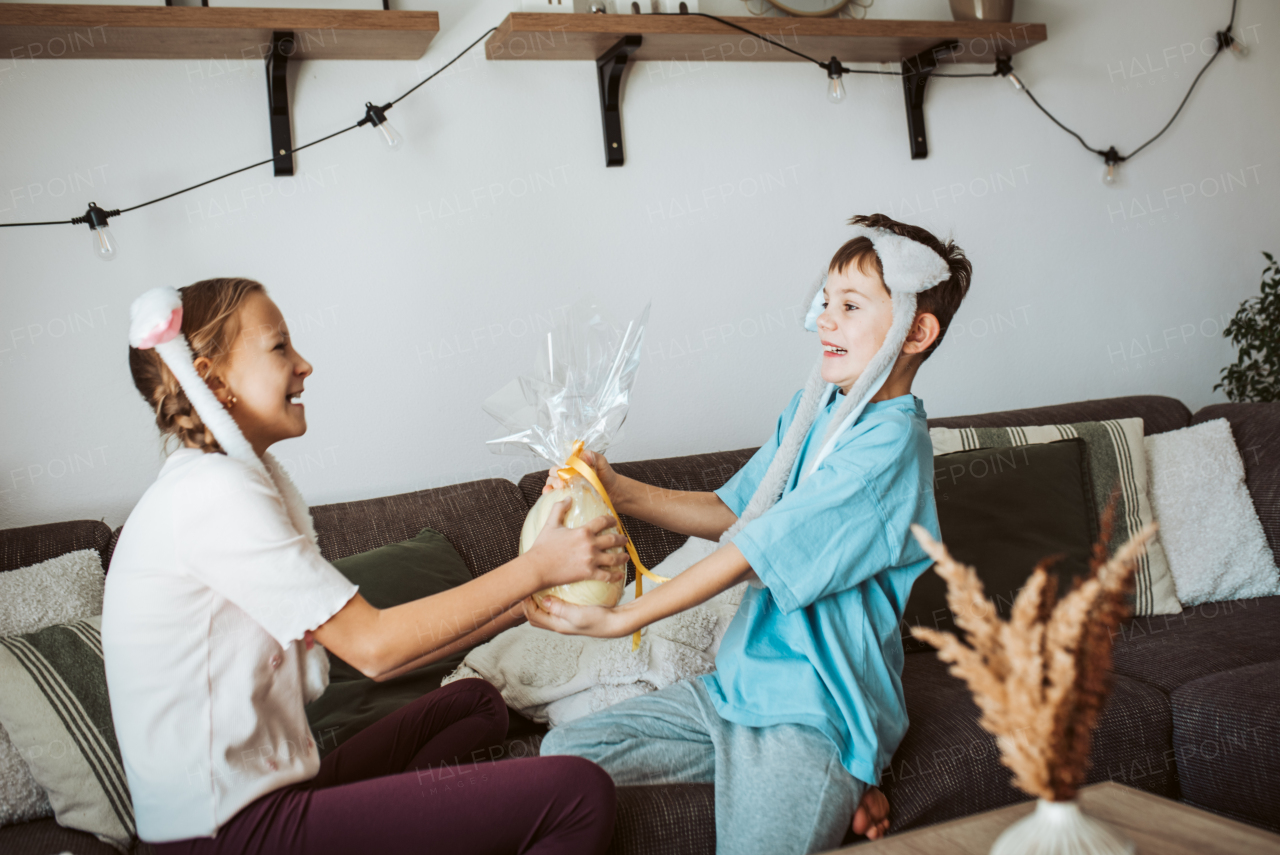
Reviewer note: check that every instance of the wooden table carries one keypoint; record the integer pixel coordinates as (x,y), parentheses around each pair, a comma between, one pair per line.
(1158,826)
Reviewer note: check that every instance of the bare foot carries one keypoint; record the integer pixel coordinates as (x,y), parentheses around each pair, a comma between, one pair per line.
(872,816)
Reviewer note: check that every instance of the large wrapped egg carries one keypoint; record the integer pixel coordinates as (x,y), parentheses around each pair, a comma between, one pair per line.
(586,505)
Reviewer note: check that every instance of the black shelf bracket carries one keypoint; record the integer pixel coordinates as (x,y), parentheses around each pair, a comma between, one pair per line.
(282,45)
(915,76)
(609,68)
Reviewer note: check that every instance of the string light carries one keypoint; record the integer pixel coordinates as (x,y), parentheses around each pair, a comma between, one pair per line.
(377,116)
(1230,42)
(835,88)
(105,247)
(104,244)
(1111,157)
(1004,67)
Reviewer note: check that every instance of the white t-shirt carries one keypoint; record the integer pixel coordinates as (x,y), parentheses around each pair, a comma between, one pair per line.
(210,591)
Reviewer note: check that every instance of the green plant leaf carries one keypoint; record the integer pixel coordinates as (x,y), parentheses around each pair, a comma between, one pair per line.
(1255,331)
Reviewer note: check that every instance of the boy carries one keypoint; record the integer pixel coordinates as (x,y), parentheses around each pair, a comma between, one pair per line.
(806,705)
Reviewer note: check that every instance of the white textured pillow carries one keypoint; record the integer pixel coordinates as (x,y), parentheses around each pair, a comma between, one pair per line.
(59,590)
(1212,537)
(56,591)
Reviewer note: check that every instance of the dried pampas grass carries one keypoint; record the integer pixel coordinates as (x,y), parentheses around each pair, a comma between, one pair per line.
(1041,677)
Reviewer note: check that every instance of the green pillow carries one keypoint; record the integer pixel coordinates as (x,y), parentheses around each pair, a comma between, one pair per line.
(387,576)
(1001,510)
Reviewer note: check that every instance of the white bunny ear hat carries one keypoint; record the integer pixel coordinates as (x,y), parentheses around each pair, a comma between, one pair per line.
(909,268)
(155,321)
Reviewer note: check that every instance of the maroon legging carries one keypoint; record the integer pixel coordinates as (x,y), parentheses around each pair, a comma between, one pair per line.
(420,781)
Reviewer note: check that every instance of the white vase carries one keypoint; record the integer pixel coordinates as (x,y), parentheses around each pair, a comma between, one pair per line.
(1059,828)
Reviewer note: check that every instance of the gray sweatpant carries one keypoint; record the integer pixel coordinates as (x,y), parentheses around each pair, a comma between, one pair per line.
(779,789)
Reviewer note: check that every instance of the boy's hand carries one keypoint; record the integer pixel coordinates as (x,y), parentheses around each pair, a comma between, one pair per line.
(566,555)
(608,478)
(569,619)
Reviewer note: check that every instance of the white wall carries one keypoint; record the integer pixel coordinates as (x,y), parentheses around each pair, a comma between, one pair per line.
(413,281)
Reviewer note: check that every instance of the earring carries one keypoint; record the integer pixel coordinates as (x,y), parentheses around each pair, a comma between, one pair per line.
(231,402)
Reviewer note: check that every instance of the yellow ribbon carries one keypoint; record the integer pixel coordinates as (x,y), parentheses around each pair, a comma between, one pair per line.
(576,464)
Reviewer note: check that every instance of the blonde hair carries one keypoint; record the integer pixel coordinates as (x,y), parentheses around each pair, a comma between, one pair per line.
(210,323)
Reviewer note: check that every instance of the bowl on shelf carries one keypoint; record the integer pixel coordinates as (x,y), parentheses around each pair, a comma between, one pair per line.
(982,10)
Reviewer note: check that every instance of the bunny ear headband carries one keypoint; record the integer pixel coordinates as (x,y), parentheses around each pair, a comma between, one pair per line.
(909,268)
(155,321)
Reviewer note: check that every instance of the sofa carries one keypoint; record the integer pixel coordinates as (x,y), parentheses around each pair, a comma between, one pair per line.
(1193,714)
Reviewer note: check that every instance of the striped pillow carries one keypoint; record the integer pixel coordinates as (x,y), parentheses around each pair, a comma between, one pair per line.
(1116,455)
(54,705)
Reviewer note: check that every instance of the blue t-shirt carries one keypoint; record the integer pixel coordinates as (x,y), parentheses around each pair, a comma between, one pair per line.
(819,643)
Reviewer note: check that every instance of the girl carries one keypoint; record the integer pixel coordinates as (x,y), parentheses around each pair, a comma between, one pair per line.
(218,593)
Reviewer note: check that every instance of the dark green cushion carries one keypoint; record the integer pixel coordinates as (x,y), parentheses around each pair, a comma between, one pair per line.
(388,576)
(1001,510)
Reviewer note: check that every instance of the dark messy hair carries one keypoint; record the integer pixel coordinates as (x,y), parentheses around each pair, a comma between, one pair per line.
(942,300)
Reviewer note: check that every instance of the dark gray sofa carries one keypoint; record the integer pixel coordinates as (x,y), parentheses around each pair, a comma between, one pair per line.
(1194,713)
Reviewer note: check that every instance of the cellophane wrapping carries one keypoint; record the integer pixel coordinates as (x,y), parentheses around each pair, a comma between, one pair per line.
(579,389)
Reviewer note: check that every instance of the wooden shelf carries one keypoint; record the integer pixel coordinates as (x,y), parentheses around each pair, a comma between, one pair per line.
(46,31)
(692,38)
(615,41)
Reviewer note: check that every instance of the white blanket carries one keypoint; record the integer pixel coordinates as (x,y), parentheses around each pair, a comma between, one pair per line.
(556,678)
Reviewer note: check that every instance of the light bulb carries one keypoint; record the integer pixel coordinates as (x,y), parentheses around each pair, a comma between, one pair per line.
(835,90)
(1112,158)
(104,243)
(1239,48)
(377,116)
(390,136)
(1017,84)
(835,86)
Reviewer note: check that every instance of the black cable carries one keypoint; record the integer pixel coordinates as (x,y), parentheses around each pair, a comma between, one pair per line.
(80,220)
(45,223)
(224,175)
(748,32)
(185,189)
(1224,40)
(844,69)
(329,137)
(1059,124)
(1185,97)
(449,63)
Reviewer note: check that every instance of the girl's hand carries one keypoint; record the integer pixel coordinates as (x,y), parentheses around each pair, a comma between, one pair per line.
(569,619)
(608,478)
(577,554)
